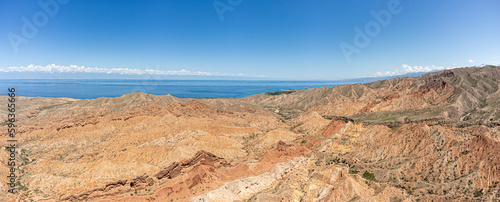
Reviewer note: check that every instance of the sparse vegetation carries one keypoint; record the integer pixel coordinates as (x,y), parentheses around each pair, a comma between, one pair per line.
(317,163)
(280,92)
(393,126)
(24,160)
(353,171)
(465,125)
(355,198)
(21,186)
(478,193)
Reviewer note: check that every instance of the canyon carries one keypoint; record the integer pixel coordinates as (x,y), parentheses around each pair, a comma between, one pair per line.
(430,138)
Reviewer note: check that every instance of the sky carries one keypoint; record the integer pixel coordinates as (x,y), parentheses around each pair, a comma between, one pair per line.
(271,39)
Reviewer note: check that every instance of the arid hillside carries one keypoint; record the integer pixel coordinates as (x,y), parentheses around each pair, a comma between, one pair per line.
(430,138)
(468,95)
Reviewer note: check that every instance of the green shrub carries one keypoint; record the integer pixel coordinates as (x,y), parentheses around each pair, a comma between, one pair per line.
(369,176)
(353,171)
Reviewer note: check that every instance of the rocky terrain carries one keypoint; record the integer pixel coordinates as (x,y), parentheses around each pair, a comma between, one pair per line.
(428,138)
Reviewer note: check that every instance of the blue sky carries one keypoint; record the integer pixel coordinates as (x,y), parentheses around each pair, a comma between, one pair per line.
(290,39)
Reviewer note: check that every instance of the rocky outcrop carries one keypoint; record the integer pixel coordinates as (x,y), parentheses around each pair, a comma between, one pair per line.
(203,157)
(246,187)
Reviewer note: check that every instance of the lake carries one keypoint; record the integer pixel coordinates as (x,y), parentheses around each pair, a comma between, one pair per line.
(94,88)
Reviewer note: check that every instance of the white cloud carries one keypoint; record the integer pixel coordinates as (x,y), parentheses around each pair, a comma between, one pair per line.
(123,71)
(471,61)
(411,69)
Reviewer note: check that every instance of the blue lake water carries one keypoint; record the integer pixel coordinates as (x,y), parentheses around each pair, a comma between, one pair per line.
(94,88)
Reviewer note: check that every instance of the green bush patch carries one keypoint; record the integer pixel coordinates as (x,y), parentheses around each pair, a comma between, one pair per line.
(369,176)
(280,92)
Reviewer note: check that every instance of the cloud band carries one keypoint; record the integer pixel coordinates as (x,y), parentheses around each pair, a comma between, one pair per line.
(123,71)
